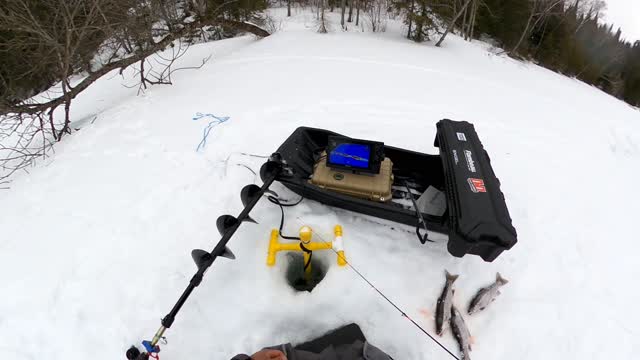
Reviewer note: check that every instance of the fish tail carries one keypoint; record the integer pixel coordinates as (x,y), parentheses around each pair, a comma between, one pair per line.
(500,280)
(465,354)
(450,277)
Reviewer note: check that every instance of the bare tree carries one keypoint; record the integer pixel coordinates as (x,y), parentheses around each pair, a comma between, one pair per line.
(343,7)
(377,12)
(469,15)
(453,22)
(472,19)
(66,36)
(540,9)
(323,26)
(350,10)
(464,22)
(412,4)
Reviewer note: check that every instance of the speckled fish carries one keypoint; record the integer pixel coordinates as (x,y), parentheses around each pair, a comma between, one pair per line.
(443,307)
(486,295)
(461,333)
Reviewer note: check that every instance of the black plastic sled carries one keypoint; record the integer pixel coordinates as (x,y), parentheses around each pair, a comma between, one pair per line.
(476,218)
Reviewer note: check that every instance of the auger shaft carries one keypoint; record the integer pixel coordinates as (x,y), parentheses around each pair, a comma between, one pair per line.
(227,225)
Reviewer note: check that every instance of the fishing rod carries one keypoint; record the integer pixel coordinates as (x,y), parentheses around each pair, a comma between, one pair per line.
(227,226)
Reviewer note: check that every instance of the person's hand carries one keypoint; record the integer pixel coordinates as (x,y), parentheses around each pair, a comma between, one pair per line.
(269,355)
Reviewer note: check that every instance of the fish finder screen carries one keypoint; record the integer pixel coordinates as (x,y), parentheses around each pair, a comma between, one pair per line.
(351,155)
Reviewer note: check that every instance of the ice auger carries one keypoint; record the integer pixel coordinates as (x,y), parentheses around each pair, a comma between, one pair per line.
(227,226)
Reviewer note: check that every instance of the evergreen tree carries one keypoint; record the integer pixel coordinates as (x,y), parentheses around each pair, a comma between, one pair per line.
(631,75)
(564,37)
(419,17)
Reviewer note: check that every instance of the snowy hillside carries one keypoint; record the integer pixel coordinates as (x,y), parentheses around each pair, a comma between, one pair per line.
(95,241)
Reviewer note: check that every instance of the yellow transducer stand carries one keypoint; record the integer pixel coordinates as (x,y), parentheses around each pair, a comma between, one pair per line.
(305,240)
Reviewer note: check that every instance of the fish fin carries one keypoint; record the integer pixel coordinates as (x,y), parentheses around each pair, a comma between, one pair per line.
(471,309)
(500,280)
(424,312)
(450,277)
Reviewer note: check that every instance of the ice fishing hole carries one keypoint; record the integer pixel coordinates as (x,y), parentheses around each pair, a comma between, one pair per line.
(295,272)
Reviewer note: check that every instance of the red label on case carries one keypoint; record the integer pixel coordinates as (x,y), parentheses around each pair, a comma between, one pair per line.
(477,185)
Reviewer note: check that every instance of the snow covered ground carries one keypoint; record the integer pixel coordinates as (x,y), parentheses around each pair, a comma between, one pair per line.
(95,241)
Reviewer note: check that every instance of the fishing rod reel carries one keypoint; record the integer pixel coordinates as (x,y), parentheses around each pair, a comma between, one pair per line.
(274,168)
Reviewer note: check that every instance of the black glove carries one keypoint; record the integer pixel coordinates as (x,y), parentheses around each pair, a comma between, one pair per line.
(134,354)
(241,357)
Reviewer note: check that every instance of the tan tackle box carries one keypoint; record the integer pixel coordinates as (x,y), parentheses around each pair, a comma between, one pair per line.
(376,187)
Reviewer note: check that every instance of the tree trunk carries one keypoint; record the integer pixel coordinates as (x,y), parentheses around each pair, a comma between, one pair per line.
(410,15)
(67,120)
(344,7)
(464,23)
(322,29)
(524,33)
(350,10)
(288,7)
(357,11)
(418,35)
(453,22)
(52,125)
(472,24)
(243,26)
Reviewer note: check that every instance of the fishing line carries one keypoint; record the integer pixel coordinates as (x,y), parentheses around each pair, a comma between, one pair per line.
(276,201)
(282,205)
(404,314)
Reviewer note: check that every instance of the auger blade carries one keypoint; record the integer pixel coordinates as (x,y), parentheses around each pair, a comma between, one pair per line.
(249,193)
(250,219)
(200,257)
(225,222)
(270,169)
(227,253)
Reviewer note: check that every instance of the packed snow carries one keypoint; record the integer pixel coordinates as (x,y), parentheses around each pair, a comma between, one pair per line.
(95,240)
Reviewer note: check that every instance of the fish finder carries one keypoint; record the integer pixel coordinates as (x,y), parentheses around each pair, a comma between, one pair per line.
(358,156)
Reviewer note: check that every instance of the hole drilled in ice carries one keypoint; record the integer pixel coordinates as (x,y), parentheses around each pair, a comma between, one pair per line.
(295,272)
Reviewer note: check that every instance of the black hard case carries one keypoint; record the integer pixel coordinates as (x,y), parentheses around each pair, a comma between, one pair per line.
(477,222)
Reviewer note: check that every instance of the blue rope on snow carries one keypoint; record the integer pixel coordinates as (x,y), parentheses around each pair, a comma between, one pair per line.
(205,133)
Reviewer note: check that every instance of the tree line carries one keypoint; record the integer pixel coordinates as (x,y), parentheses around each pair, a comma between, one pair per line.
(37,48)
(43,43)
(566,36)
